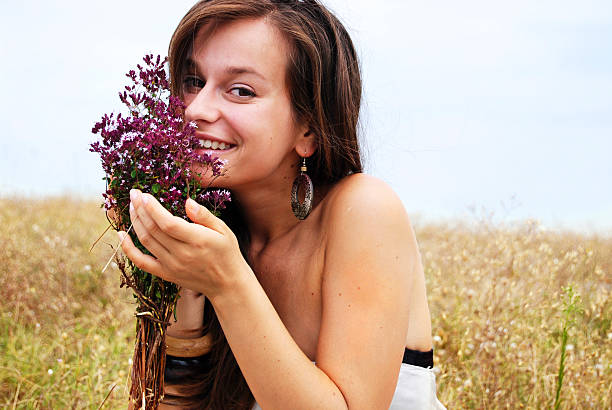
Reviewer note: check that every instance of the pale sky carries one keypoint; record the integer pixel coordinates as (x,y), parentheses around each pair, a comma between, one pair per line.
(501,106)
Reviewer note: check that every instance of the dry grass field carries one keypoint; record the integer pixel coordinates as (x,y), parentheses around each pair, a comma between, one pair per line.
(496,296)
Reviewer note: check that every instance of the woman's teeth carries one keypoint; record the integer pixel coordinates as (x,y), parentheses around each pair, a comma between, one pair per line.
(213,144)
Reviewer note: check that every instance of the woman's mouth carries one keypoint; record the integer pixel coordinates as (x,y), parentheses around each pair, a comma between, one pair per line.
(215,145)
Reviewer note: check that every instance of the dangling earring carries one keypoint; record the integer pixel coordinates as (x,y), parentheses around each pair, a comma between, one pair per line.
(301,210)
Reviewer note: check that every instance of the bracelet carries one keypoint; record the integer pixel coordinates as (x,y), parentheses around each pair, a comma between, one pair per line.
(188,347)
(179,370)
(187,362)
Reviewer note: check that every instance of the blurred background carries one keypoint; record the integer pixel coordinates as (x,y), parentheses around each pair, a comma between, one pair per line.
(471,108)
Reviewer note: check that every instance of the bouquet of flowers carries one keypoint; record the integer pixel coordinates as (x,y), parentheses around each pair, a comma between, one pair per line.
(152,149)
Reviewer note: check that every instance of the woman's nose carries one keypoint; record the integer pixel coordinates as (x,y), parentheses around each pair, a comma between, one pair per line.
(204,106)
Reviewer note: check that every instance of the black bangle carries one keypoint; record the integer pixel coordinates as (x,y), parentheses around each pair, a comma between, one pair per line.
(180,369)
(417,358)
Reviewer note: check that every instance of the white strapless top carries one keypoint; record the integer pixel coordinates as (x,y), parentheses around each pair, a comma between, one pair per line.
(416,389)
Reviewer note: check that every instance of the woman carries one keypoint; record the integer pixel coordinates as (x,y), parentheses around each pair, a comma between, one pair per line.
(310,305)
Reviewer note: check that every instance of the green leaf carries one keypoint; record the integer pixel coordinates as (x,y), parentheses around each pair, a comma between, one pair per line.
(155,188)
(133,173)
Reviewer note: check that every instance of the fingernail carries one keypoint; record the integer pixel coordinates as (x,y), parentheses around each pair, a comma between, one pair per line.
(191,204)
(131,207)
(121,235)
(135,194)
(145,199)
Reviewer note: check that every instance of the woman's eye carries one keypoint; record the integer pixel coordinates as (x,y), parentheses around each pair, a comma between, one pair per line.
(192,83)
(242,92)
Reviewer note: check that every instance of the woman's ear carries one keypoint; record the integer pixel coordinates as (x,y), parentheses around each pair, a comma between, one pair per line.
(306,144)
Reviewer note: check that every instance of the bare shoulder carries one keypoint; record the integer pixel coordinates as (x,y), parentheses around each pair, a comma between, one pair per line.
(363,201)
(364,218)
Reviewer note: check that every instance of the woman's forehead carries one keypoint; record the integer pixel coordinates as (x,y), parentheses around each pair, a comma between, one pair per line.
(241,46)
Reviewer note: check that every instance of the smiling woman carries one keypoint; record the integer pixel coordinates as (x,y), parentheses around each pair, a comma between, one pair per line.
(329,311)
(239,98)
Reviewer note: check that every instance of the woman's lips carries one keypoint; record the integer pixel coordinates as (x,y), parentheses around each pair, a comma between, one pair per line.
(213,152)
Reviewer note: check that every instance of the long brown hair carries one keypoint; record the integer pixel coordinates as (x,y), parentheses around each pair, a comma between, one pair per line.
(325,90)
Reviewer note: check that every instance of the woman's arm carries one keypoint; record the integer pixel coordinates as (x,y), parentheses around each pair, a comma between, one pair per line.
(370,257)
(278,373)
(275,368)
(369,263)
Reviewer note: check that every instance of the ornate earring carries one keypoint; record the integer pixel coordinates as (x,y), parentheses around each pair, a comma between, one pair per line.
(301,210)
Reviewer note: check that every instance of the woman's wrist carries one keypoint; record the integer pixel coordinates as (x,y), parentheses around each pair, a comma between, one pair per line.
(234,291)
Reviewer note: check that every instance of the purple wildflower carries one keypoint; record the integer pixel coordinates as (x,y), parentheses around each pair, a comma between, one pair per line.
(152,148)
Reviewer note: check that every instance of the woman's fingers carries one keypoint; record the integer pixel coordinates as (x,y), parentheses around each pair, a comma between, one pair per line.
(149,234)
(171,225)
(145,262)
(202,216)
(149,230)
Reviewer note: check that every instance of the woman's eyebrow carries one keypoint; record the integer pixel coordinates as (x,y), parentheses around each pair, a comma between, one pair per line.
(243,70)
(191,66)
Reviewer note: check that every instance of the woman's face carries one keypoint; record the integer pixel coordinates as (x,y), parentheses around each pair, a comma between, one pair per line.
(236,93)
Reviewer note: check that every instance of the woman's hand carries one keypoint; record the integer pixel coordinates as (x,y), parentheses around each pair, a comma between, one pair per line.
(203,256)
